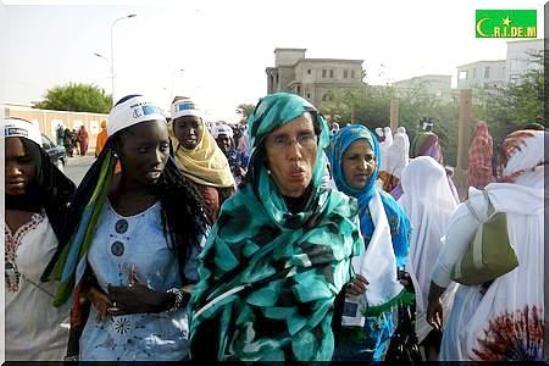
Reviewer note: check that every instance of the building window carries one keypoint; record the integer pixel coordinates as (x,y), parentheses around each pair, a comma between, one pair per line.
(331,73)
(323,73)
(462,75)
(352,74)
(474,73)
(308,95)
(309,71)
(298,90)
(345,74)
(486,72)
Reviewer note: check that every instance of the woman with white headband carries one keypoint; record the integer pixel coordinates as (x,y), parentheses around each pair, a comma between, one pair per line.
(199,157)
(36,195)
(133,251)
(238,161)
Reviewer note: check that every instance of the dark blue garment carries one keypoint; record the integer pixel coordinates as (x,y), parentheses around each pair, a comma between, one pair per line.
(237,160)
(367,344)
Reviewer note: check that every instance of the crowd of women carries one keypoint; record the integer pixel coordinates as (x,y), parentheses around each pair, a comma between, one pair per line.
(308,244)
(73,140)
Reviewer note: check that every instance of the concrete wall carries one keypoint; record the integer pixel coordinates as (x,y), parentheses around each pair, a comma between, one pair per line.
(309,74)
(285,76)
(310,78)
(338,69)
(476,74)
(48,121)
(288,57)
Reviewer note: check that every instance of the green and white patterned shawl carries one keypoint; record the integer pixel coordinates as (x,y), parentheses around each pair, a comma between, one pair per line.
(269,278)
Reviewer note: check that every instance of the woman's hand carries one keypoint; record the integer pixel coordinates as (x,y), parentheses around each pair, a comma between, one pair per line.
(100,302)
(357,286)
(137,298)
(187,288)
(435,313)
(434,307)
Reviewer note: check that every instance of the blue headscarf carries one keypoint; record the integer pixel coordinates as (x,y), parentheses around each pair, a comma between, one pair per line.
(398,221)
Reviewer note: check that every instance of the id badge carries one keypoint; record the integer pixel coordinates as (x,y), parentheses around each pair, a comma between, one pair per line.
(352,314)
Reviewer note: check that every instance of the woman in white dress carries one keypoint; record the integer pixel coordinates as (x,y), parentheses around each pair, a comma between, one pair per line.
(132,258)
(429,203)
(501,320)
(398,156)
(36,194)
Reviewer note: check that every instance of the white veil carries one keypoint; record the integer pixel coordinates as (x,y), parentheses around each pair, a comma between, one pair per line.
(429,203)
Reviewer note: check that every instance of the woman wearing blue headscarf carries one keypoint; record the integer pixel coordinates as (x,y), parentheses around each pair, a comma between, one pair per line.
(367,321)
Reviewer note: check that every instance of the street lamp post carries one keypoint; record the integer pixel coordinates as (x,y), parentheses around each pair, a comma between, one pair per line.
(109,63)
(112,50)
(101,56)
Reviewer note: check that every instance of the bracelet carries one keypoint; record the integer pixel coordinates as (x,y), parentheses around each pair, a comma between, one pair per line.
(178,299)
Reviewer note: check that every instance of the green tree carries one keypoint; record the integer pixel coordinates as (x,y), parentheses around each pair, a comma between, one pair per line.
(245,109)
(366,104)
(76,97)
(370,105)
(416,104)
(505,108)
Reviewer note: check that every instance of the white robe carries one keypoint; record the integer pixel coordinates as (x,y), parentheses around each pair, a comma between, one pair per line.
(506,322)
(429,203)
(35,329)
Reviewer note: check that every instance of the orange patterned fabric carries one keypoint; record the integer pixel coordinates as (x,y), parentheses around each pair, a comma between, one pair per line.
(480,157)
(389,181)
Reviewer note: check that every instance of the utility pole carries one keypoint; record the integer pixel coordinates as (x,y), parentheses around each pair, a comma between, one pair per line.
(464,139)
(393,114)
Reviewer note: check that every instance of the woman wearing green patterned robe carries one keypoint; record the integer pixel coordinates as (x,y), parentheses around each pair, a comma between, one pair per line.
(280,251)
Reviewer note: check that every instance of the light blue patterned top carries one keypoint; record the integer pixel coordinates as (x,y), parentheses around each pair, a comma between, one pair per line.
(120,244)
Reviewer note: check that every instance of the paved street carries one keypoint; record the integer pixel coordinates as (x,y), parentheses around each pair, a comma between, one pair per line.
(77,167)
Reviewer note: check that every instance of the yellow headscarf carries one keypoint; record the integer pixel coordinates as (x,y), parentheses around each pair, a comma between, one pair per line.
(205,164)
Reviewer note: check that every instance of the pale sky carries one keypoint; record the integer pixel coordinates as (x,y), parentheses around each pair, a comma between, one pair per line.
(224,46)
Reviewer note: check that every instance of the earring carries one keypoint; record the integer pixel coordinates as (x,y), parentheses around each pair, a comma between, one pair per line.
(269,171)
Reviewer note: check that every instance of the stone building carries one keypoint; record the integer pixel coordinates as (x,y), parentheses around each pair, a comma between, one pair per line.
(481,74)
(520,58)
(311,78)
